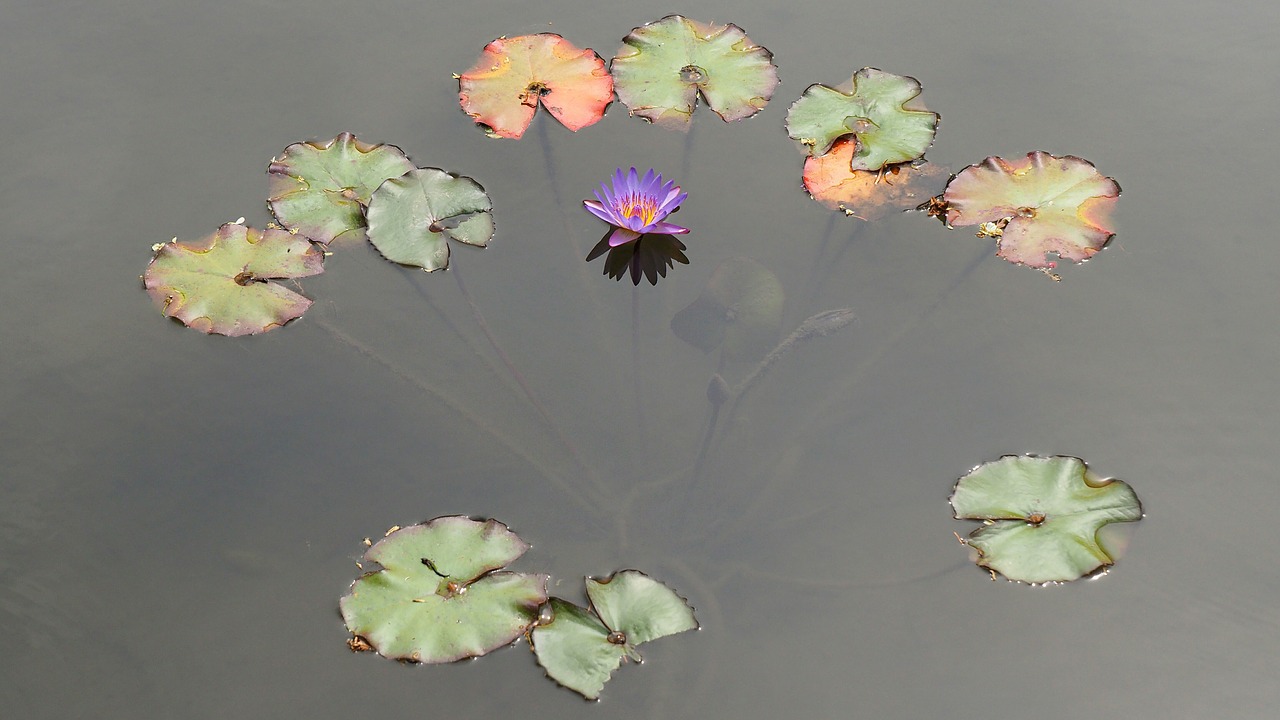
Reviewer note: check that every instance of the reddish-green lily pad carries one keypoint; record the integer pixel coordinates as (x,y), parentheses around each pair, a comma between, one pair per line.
(869,195)
(321,189)
(224,283)
(1035,206)
(513,75)
(663,67)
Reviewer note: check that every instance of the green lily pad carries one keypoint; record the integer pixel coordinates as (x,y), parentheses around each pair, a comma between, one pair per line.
(1039,205)
(439,597)
(663,67)
(321,189)
(740,311)
(580,649)
(1041,516)
(223,283)
(513,75)
(879,109)
(411,217)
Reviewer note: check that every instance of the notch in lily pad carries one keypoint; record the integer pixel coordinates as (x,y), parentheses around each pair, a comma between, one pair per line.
(1041,517)
(227,283)
(320,190)
(1036,206)
(665,65)
(440,594)
(513,76)
(580,648)
(879,110)
(412,217)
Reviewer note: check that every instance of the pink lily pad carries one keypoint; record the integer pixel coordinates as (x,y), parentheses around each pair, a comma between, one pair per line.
(1035,206)
(868,195)
(513,75)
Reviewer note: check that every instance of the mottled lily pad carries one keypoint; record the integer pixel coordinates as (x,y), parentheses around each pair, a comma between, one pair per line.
(869,195)
(880,110)
(739,311)
(580,649)
(224,283)
(1041,516)
(411,217)
(663,67)
(1036,206)
(320,189)
(513,75)
(439,596)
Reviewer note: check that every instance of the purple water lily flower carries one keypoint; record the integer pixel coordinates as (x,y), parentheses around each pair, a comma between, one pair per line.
(637,206)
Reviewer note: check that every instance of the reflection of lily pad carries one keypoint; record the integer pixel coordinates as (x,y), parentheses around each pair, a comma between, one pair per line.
(665,65)
(437,597)
(1042,516)
(1036,206)
(223,283)
(320,189)
(740,310)
(865,194)
(881,110)
(581,649)
(503,89)
(411,217)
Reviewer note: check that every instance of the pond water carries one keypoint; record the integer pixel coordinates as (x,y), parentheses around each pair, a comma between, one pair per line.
(179,513)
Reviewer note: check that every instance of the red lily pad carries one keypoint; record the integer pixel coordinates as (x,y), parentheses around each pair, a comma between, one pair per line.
(1036,206)
(223,283)
(869,195)
(513,75)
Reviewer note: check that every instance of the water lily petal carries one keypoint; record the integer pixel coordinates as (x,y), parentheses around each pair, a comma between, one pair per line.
(599,210)
(667,228)
(622,236)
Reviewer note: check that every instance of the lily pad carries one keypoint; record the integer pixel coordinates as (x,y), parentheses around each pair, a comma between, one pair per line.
(503,89)
(223,283)
(439,596)
(869,195)
(663,67)
(880,110)
(411,217)
(320,189)
(580,649)
(1041,516)
(740,311)
(1039,205)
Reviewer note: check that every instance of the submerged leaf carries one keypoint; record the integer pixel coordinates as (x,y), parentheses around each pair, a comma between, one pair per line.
(740,310)
(665,65)
(869,195)
(321,189)
(879,109)
(223,283)
(437,597)
(1041,516)
(1039,205)
(503,89)
(411,217)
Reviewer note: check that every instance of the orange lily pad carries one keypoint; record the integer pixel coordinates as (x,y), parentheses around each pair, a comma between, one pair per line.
(869,195)
(513,75)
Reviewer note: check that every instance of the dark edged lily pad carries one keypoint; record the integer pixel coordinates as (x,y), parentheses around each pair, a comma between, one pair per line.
(880,110)
(225,282)
(580,648)
(412,217)
(869,195)
(321,189)
(439,596)
(1035,206)
(664,65)
(513,75)
(1041,516)
(739,311)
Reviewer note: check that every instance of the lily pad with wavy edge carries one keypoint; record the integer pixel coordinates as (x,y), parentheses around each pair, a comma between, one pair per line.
(739,311)
(869,195)
(411,217)
(664,65)
(438,597)
(320,189)
(223,283)
(1039,205)
(880,110)
(513,75)
(580,649)
(1041,516)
